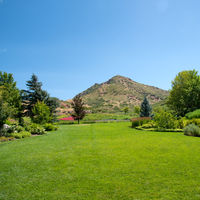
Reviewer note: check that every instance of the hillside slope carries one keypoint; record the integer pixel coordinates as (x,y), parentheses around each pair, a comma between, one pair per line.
(119,92)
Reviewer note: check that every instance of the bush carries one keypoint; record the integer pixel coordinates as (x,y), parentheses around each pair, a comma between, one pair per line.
(51,127)
(17,135)
(194,114)
(4,139)
(140,121)
(15,128)
(25,134)
(8,122)
(192,130)
(41,113)
(35,129)
(165,120)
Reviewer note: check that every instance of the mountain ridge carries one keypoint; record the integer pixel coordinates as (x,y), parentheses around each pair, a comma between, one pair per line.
(120,91)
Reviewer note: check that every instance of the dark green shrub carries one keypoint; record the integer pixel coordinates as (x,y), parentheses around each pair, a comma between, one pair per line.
(140,121)
(192,130)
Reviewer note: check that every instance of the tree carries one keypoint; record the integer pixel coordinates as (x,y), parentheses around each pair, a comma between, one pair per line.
(137,109)
(6,110)
(53,103)
(125,109)
(145,109)
(11,95)
(33,94)
(184,96)
(77,104)
(41,113)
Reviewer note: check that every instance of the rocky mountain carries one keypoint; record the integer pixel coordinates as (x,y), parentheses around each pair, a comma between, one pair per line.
(119,92)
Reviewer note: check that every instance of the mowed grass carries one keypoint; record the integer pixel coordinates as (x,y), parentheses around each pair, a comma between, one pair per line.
(101,161)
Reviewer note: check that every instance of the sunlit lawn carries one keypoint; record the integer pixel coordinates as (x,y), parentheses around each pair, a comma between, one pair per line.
(101,161)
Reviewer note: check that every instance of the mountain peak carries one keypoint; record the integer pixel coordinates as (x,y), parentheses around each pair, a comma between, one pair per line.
(120,91)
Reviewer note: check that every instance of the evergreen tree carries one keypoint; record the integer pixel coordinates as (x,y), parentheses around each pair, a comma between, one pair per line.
(145,109)
(53,104)
(33,94)
(77,104)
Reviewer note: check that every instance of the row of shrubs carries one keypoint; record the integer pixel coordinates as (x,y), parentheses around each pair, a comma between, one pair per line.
(90,122)
(164,120)
(18,132)
(168,123)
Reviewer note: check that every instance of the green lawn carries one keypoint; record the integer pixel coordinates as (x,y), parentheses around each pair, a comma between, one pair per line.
(101,161)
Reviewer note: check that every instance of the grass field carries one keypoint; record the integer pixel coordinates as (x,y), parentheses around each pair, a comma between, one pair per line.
(101,161)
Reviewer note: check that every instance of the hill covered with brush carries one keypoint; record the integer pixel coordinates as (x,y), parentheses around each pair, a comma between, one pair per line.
(119,92)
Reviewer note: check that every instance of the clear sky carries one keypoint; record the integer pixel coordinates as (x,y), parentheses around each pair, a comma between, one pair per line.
(72,44)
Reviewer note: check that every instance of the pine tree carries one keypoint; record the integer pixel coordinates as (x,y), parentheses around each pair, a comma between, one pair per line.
(53,103)
(77,104)
(145,109)
(33,94)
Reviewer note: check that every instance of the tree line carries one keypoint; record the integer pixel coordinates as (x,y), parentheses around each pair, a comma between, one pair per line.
(18,103)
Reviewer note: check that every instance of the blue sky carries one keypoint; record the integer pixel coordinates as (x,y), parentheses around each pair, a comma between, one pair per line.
(72,44)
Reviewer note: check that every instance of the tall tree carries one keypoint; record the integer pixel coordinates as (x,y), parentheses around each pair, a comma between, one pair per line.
(10,94)
(33,94)
(145,109)
(6,110)
(53,104)
(77,104)
(184,96)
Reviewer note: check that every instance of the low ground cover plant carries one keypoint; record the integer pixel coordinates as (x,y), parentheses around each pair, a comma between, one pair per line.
(192,130)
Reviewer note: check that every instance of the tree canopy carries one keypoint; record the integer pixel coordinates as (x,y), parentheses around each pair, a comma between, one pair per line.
(77,104)
(10,96)
(185,93)
(33,94)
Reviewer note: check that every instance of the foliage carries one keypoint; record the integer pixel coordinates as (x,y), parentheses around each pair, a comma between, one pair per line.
(53,103)
(192,130)
(184,95)
(35,129)
(140,121)
(125,109)
(137,109)
(5,139)
(23,134)
(165,120)
(77,104)
(33,95)
(50,127)
(145,109)
(194,114)
(41,113)
(10,96)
